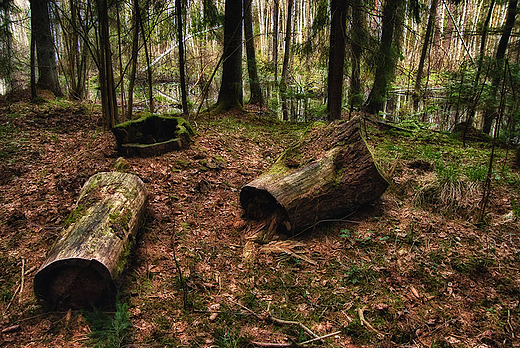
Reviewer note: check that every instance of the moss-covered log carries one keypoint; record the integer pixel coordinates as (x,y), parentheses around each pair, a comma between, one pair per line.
(327,176)
(152,135)
(84,264)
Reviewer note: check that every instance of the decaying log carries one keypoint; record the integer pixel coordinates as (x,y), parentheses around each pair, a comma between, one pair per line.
(152,135)
(83,265)
(328,175)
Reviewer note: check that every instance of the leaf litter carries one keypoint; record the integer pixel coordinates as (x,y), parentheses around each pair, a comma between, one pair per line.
(396,274)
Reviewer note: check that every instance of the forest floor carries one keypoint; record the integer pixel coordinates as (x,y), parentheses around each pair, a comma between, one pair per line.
(412,271)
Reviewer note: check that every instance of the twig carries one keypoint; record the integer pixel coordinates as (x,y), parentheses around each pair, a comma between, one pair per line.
(272,345)
(321,337)
(12,299)
(22,281)
(269,317)
(364,322)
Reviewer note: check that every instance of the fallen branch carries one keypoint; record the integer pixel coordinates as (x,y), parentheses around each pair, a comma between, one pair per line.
(293,344)
(22,281)
(365,323)
(269,318)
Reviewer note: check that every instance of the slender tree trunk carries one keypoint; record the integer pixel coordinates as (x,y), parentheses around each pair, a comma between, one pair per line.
(41,30)
(33,65)
(120,60)
(387,57)
(182,73)
(106,72)
(426,44)
(6,44)
(254,82)
(286,57)
(151,105)
(358,40)
(490,112)
(135,52)
(276,11)
(483,40)
(231,93)
(336,57)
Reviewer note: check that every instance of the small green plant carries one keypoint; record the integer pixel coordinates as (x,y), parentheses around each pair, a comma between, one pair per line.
(477,173)
(225,338)
(107,331)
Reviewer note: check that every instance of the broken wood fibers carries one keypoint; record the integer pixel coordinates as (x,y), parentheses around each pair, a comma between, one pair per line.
(84,263)
(327,175)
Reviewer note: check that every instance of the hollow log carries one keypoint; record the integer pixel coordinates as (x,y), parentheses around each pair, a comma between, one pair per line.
(328,175)
(83,265)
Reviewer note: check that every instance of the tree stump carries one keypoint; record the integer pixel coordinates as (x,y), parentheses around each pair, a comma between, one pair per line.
(83,265)
(152,135)
(328,175)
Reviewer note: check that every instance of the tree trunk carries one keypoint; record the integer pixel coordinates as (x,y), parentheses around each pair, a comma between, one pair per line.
(357,44)
(120,60)
(276,11)
(231,93)
(151,104)
(286,57)
(254,81)
(490,113)
(106,71)
(387,57)
(84,264)
(182,73)
(41,30)
(336,57)
(135,53)
(426,44)
(329,176)
(482,53)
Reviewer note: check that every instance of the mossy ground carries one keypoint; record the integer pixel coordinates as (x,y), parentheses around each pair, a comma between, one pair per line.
(420,275)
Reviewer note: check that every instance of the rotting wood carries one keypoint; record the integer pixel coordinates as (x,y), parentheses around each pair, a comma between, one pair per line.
(84,264)
(152,135)
(328,175)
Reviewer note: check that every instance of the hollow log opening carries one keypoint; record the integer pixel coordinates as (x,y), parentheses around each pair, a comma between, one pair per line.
(77,284)
(82,267)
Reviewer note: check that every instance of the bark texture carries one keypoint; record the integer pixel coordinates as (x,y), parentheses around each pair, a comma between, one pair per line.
(336,58)
(41,31)
(252,70)
(84,264)
(231,92)
(329,175)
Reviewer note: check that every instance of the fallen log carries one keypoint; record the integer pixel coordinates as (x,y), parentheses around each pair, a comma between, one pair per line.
(328,175)
(82,267)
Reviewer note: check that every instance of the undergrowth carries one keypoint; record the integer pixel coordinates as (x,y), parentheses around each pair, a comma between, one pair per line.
(109,331)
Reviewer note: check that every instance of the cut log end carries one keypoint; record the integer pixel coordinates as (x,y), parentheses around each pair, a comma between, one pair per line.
(75,283)
(87,259)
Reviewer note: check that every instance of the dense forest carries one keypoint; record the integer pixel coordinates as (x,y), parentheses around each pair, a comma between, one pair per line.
(311,173)
(441,62)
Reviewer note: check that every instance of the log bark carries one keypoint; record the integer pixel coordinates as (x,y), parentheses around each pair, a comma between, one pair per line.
(84,264)
(327,176)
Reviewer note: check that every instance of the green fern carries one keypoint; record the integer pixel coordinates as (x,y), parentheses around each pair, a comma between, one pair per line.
(107,331)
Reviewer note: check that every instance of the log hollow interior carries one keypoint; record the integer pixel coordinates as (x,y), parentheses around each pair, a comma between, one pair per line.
(75,283)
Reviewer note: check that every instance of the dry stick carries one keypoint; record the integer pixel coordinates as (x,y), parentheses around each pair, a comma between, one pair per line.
(364,322)
(269,317)
(321,337)
(22,281)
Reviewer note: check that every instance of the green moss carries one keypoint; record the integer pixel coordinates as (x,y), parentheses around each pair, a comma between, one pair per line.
(75,215)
